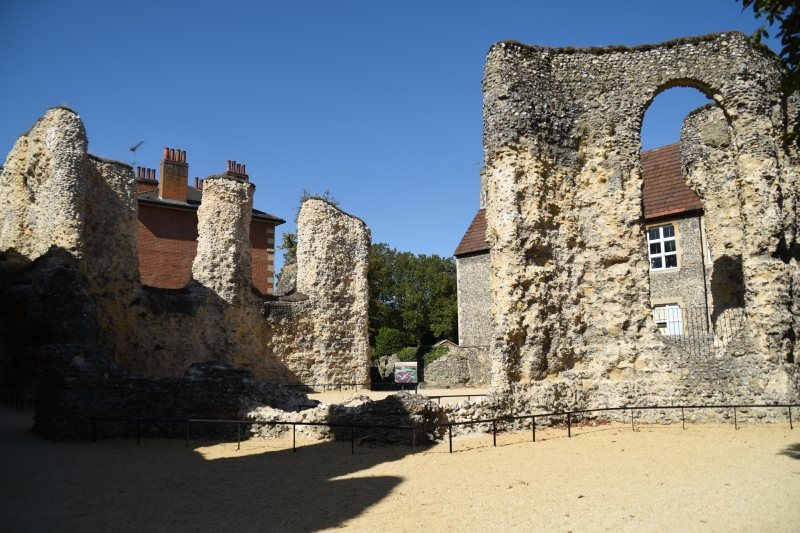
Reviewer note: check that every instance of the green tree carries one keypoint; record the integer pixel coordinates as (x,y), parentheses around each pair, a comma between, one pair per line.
(389,341)
(415,294)
(786,14)
(289,240)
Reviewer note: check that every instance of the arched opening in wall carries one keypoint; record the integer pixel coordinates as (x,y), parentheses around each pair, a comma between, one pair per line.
(696,298)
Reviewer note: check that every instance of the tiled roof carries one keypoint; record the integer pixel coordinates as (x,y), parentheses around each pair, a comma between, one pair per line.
(194,197)
(664,191)
(475,238)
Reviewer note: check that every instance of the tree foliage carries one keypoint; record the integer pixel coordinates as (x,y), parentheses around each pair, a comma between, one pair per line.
(785,14)
(413,294)
(389,341)
(289,240)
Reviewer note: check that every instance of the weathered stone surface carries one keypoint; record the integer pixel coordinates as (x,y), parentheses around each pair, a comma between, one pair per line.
(323,338)
(287,282)
(69,276)
(474,322)
(459,367)
(569,279)
(402,409)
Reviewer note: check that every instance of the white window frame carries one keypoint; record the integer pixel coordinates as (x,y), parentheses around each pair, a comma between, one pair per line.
(661,241)
(669,318)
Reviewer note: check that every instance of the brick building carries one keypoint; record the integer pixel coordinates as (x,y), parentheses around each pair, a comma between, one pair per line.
(168,226)
(680,264)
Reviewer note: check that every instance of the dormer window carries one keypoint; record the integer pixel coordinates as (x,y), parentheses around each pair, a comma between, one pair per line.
(662,248)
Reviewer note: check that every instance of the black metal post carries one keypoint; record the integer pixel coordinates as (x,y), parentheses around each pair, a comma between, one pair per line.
(494,430)
(790,418)
(239,436)
(352,440)
(683,419)
(735,424)
(534,428)
(450,427)
(569,425)
(137,432)
(294,438)
(632,421)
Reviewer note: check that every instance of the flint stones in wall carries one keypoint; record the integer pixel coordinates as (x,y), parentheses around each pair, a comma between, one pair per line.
(322,337)
(42,188)
(223,224)
(569,279)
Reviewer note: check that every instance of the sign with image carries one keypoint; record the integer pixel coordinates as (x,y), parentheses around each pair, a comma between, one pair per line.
(405,372)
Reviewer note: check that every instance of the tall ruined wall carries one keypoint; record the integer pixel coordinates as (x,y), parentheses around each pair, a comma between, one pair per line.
(69,274)
(322,335)
(569,271)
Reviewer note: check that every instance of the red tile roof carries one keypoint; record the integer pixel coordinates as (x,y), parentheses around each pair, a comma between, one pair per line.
(475,238)
(664,191)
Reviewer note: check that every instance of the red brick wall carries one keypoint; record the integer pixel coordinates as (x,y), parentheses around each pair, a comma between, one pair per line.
(167,246)
(262,237)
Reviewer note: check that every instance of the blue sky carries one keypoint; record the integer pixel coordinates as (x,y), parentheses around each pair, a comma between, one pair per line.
(378,102)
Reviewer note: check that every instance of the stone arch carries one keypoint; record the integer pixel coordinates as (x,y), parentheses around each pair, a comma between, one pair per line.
(561,144)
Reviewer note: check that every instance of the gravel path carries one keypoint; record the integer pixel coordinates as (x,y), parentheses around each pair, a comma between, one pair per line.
(608,478)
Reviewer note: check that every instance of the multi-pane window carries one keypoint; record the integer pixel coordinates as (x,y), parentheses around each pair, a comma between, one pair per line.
(669,319)
(661,247)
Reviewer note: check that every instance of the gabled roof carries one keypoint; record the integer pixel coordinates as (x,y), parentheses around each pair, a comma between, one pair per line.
(194,196)
(664,191)
(474,240)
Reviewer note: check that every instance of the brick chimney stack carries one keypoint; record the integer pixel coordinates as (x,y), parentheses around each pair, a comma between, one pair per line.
(174,184)
(237,170)
(146,179)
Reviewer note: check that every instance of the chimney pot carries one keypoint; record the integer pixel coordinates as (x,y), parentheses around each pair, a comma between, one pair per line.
(228,169)
(196,182)
(166,153)
(172,154)
(243,169)
(183,156)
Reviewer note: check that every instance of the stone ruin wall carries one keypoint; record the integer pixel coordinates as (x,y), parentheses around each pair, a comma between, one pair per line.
(315,330)
(569,270)
(68,255)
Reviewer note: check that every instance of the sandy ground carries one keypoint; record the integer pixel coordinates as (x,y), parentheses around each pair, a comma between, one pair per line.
(609,478)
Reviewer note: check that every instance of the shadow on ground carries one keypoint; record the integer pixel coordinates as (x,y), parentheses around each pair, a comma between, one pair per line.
(793,451)
(116,485)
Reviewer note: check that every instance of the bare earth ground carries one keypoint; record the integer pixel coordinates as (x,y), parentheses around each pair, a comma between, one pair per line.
(608,478)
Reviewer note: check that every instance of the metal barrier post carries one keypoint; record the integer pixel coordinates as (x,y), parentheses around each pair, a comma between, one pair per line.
(569,425)
(790,418)
(352,440)
(494,430)
(632,421)
(137,432)
(450,427)
(534,428)
(294,438)
(239,436)
(735,424)
(683,419)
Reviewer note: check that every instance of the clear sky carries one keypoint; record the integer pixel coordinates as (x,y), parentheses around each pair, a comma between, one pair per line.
(378,102)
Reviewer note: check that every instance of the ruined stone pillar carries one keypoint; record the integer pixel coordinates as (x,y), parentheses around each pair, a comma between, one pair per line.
(764,185)
(223,261)
(43,187)
(332,261)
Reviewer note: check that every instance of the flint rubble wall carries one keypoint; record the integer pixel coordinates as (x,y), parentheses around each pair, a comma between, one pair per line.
(569,277)
(69,264)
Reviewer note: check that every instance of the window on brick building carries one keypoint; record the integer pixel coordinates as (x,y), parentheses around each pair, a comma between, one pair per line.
(662,247)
